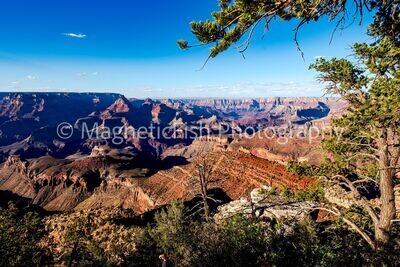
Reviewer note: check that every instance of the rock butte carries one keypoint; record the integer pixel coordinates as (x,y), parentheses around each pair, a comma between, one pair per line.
(143,173)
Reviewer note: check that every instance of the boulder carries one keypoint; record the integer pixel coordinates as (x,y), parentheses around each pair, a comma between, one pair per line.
(339,196)
(263,206)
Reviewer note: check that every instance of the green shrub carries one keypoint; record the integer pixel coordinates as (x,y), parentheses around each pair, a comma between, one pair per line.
(20,233)
(327,167)
(312,193)
(242,241)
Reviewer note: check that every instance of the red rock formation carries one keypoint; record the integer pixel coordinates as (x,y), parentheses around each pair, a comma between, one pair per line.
(121,105)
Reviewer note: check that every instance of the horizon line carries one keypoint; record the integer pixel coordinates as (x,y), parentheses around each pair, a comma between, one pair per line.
(161,97)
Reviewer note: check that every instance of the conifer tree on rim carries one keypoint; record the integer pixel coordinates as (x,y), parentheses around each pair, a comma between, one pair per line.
(370,84)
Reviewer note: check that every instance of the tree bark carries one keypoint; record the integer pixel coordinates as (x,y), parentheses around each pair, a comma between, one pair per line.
(204,187)
(206,208)
(387,201)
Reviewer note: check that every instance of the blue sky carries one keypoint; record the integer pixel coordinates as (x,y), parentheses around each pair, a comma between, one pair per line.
(129,47)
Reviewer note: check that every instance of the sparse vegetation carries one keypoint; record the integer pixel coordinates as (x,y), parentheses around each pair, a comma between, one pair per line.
(268,192)
(303,169)
(243,241)
(20,233)
(238,241)
(313,193)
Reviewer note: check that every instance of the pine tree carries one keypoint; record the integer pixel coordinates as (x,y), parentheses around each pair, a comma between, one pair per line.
(370,84)
(369,130)
(238,19)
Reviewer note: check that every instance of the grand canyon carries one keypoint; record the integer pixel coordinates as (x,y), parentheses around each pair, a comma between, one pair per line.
(200,133)
(115,164)
(144,172)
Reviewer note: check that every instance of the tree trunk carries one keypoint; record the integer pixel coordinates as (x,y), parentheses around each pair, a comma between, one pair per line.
(388,208)
(203,185)
(206,208)
(387,203)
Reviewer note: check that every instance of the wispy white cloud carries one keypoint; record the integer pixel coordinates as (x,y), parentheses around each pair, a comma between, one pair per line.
(32,77)
(75,35)
(86,74)
(14,85)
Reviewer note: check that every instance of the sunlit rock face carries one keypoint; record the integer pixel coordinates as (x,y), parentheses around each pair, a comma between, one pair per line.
(82,172)
(28,121)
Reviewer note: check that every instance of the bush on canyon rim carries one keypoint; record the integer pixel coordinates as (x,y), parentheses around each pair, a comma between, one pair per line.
(20,233)
(242,241)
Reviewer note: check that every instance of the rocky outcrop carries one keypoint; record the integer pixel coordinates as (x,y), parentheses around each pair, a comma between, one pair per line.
(59,185)
(21,166)
(121,105)
(14,177)
(337,195)
(120,193)
(265,206)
